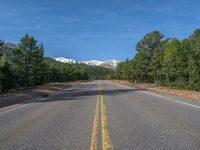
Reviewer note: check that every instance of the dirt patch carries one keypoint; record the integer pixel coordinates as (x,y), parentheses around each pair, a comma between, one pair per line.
(33,93)
(191,95)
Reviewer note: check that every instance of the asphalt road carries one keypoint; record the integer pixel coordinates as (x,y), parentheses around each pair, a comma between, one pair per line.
(102,115)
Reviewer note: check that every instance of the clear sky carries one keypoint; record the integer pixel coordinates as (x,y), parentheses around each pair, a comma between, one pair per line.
(95,29)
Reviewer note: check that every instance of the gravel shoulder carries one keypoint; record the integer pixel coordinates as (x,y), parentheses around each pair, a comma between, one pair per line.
(186,94)
(30,94)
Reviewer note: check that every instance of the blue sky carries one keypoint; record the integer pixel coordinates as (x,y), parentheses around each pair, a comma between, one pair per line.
(95,29)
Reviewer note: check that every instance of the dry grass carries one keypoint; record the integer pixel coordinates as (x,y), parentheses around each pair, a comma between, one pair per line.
(187,94)
(31,93)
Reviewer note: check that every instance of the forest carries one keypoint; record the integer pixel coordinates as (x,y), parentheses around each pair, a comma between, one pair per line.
(26,66)
(164,61)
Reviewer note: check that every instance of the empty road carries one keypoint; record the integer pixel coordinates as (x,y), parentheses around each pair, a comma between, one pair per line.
(102,115)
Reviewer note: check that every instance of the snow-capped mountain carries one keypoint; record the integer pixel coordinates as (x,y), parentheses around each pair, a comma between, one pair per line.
(65,60)
(108,63)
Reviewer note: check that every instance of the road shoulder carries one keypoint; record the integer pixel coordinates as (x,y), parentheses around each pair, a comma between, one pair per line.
(191,98)
(25,96)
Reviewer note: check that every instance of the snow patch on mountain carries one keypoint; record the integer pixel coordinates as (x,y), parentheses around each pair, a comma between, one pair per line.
(65,60)
(108,63)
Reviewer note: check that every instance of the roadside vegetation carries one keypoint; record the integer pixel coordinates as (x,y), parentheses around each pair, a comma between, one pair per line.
(26,66)
(164,61)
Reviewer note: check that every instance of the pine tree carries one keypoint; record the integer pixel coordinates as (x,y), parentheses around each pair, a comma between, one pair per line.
(171,61)
(37,66)
(194,60)
(6,75)
(149,46)
(25,56)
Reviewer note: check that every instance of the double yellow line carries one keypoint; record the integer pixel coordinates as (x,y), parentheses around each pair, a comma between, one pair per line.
(106,142)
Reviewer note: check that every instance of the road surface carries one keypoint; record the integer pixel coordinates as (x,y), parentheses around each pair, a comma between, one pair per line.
(101,115)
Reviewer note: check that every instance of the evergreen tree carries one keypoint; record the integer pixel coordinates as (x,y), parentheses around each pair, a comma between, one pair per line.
(194,60)
(6,75)
(149,46)
(1,48)
(28,57)
(165,61)
(37,66)
(172,62)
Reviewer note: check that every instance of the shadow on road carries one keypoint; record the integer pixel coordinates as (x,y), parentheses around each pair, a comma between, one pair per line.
(84,92)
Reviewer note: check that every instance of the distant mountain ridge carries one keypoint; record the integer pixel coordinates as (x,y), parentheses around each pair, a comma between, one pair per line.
(10,45)
(112,64)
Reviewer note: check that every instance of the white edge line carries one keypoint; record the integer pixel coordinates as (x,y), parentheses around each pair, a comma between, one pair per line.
(158,95)
(8,107)
(17,106)
(171,99)
(10,110)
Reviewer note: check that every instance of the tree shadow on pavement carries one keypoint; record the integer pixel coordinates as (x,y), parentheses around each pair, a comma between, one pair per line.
(86,93)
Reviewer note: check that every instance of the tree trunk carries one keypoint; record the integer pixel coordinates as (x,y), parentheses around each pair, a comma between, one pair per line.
(26,77)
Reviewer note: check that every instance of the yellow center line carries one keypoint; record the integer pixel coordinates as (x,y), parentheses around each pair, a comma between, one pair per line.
(106,142)
(94,141)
